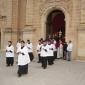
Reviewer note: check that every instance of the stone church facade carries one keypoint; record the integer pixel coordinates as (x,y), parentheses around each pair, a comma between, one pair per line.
(26,19)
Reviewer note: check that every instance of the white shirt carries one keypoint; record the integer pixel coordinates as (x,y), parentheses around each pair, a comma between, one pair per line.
(29,46)
(43,51)
(54,42)
(50,50)
(18,45)
(69,47)
(23,59)
(54,47)
(39,48)
(8,49)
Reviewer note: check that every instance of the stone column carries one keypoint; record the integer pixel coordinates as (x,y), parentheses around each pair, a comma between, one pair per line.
(75,25)
(81,33)
(15,13)
(29,12)
(2,27)
(22,16)
(29,20)
(7,10)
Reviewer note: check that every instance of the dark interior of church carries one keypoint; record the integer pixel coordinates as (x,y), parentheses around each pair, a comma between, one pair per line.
(55,26)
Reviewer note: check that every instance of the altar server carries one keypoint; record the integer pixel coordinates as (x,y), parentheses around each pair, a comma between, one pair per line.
(50,53)
(18,45)
(39,50)
(55,48)
(44,54)
(9,54)
(30,49)
(23,59)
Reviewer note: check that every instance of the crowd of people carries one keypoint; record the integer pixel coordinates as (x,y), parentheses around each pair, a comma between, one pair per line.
(50,49)
(47,50)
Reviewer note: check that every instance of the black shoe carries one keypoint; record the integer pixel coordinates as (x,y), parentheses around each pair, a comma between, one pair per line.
(25,73)
(38,62)
(11,64)
(44,67)
(69,60)
(19,75)
(7,65)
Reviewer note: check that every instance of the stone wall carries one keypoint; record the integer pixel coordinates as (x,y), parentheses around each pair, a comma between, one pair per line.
(81,32)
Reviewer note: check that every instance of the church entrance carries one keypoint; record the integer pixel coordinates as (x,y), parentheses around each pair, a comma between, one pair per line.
(55,25)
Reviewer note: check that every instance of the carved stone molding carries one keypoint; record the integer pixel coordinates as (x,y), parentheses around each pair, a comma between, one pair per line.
(9,30)
(81,27)
(29,28)
(66,4)
(50,1)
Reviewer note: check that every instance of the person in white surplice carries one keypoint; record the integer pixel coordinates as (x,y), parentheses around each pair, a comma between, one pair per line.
(9,54)
(39,45)
(30,49)
(50,52)
(43,54)
(23,59)
(18,45)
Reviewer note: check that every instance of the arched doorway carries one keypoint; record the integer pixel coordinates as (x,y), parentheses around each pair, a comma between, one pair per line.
(55,25)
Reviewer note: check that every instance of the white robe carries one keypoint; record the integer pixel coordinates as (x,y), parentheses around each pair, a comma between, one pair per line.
(39,48)
(18,45)
(54,47)
(43,52)
(60,51)
(23,59)
(8,49)
(50,50)
(29,46)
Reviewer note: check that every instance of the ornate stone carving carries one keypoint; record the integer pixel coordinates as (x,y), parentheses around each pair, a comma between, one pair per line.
(29,28)
(44,1)
(66,4)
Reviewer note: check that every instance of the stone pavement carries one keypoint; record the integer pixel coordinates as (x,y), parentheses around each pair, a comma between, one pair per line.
(61,73)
